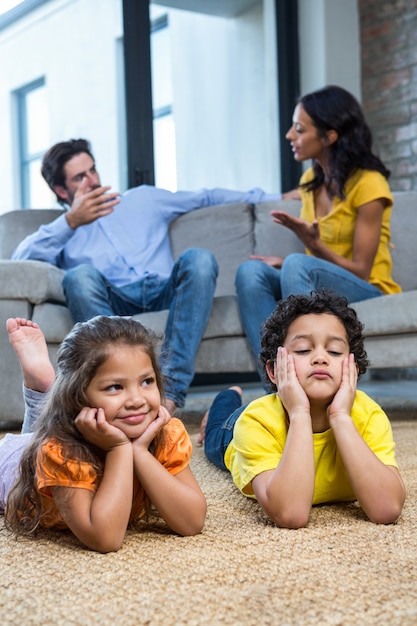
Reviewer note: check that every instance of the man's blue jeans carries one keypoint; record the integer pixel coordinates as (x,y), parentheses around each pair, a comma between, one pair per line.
(221,420)
(259,287)
(188,294)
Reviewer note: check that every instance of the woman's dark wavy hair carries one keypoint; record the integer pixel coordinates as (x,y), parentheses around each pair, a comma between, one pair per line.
(334,108)
(79,356)
(55,158)
(276,327)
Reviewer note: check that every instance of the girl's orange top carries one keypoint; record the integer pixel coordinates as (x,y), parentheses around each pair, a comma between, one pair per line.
(54,469)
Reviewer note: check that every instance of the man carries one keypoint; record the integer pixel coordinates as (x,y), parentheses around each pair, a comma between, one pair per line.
(117,256)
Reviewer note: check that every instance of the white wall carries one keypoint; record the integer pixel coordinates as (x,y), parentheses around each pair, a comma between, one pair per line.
(226,134)
(329,44)
(224,74)
(224,96)
(71,43)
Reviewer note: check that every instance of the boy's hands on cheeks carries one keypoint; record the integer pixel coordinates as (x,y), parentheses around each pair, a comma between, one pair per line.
(153,429)
(94,427)
(290,391)
(342,403)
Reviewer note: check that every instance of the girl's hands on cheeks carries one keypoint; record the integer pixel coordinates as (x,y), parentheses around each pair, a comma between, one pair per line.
(290,391)
(343,401)
(153,429)
(94,427)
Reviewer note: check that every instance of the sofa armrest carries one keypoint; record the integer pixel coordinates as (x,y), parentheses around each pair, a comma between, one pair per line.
(35,281)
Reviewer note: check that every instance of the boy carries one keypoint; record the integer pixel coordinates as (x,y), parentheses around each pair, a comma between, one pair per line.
(317,439)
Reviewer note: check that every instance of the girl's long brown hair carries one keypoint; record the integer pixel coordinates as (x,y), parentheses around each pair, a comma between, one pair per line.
(81,353)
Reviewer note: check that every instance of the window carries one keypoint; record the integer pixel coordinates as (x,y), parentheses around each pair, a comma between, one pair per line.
(33,140)
(162,97)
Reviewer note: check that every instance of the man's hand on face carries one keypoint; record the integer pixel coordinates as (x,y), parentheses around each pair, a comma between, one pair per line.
(87,206)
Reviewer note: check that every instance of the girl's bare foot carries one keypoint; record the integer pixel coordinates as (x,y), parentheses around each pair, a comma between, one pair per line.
(203,424)
(29,343)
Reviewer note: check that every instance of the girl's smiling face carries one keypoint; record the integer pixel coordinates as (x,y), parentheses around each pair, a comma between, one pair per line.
(318,344)
(124,386)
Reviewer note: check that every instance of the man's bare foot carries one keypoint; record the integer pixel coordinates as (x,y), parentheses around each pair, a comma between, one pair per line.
(202,435)
(29,343)
(170,406)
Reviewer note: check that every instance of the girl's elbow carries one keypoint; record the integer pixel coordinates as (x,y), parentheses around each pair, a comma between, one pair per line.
(191,530)
(105,544)
(194,526)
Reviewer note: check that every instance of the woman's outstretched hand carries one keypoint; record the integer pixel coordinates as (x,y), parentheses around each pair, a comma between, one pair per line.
(307,233)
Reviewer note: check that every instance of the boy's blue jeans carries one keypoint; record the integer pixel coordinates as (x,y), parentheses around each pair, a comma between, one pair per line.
(222,417)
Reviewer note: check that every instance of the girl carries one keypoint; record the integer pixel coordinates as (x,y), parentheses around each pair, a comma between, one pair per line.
(317,439)
(103,449)
(345,216)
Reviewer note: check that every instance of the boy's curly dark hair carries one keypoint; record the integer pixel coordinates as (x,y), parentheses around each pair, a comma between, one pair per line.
(275,329)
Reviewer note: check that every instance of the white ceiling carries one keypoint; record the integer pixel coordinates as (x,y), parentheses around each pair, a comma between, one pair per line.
(222,8)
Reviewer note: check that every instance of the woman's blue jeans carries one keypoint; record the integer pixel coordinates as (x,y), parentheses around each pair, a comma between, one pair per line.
(188,294)
(259,287)
(221,420)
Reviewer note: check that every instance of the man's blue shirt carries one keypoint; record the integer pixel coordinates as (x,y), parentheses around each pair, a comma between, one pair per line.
(132,241)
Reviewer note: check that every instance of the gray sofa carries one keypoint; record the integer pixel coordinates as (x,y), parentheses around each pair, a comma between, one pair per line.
(33,289)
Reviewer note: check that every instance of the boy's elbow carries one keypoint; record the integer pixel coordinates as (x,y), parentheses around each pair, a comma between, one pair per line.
(290,518)
(388,513)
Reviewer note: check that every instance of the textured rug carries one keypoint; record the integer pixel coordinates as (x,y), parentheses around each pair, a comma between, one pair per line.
(340,570)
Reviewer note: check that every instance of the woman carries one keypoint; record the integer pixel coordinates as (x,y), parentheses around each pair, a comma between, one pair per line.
(345,216)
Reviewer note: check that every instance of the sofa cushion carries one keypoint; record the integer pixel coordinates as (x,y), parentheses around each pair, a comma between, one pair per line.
(54,319)
(224,320)
(35,281)
(16,225)
(388,315)
(403,239)
(225,229)
(272,238)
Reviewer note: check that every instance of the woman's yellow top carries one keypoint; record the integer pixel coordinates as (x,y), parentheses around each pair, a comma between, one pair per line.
(337,229)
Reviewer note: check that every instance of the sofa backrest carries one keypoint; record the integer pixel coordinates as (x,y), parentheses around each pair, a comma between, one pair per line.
(272,238)
(235,231)
(226,230)
(16,225)
(404,239)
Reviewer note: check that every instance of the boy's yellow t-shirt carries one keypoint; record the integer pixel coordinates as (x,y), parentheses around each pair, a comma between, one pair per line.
(338,227)
(260,434)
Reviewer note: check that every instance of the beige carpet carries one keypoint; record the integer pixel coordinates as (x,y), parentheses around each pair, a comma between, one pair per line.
(242,570)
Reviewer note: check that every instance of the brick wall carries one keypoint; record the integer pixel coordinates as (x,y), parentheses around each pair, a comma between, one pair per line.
(389,84)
